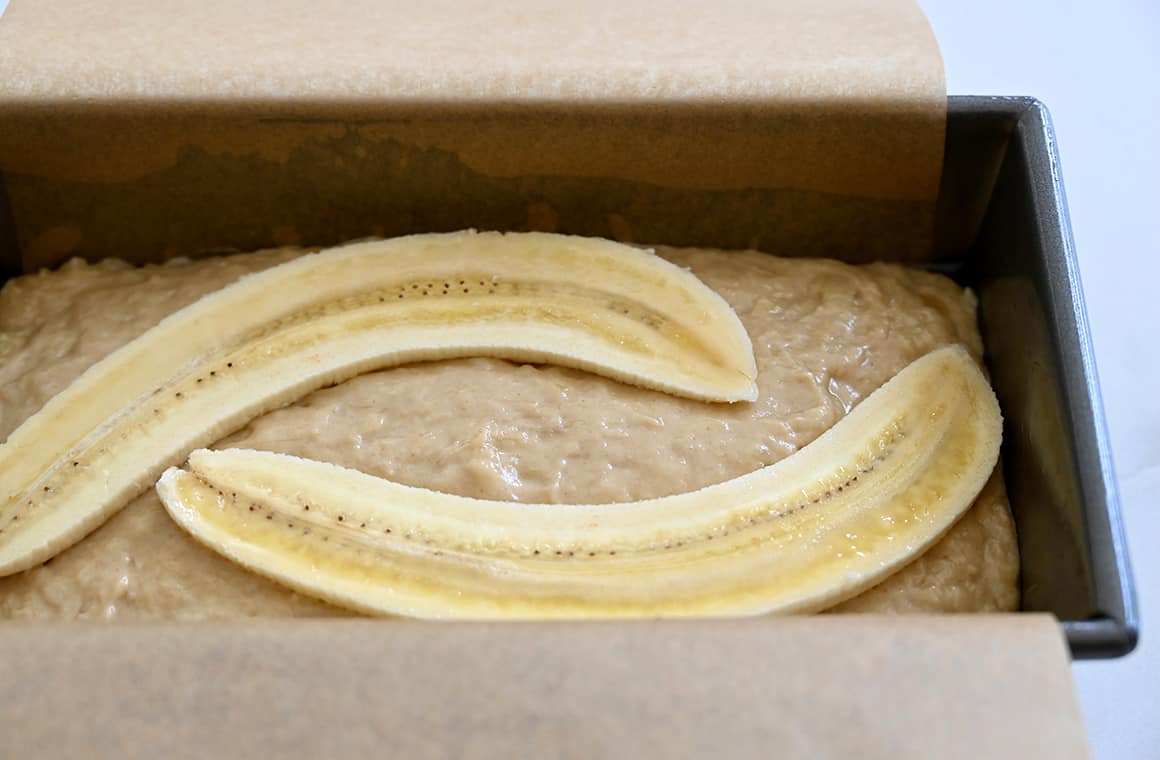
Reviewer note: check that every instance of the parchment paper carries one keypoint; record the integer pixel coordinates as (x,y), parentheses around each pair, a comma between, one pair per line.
(801,127)
(864,687)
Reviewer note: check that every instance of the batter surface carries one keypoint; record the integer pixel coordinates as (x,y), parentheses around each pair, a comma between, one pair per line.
(825,335)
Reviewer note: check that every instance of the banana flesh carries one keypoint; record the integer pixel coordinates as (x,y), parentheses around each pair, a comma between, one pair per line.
(870,494)
(274,336)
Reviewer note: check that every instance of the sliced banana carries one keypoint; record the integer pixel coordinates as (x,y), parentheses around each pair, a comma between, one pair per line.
(824,524)
(274,336)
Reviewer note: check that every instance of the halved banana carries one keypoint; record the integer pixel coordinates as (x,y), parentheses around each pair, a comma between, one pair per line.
(820,526)
(274,336)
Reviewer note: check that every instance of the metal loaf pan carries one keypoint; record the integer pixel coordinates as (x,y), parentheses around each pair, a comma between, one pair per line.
(1002,229)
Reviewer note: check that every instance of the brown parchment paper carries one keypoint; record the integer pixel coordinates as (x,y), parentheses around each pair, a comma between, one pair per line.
(800,126)
(862,687)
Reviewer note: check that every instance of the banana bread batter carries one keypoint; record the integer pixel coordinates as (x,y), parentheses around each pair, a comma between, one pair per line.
(825,335)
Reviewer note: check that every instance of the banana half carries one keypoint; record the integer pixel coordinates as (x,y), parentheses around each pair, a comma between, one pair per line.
(274,336)
(826,523)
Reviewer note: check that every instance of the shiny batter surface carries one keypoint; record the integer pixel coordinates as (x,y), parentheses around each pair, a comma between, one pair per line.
(825,335)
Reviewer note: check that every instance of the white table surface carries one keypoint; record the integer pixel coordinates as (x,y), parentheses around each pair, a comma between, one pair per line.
(1096,67)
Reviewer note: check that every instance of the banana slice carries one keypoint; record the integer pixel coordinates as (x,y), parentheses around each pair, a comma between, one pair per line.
(822,525)
(274,336)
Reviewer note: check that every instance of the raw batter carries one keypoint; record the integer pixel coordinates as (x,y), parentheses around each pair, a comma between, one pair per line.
(825,335)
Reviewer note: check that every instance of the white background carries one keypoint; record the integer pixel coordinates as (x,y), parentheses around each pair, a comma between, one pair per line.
(1096,66)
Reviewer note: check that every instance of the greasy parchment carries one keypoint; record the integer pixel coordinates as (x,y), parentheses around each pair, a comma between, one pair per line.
(799,127)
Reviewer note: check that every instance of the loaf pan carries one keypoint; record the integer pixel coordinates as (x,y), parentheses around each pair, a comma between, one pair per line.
(1002,228)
